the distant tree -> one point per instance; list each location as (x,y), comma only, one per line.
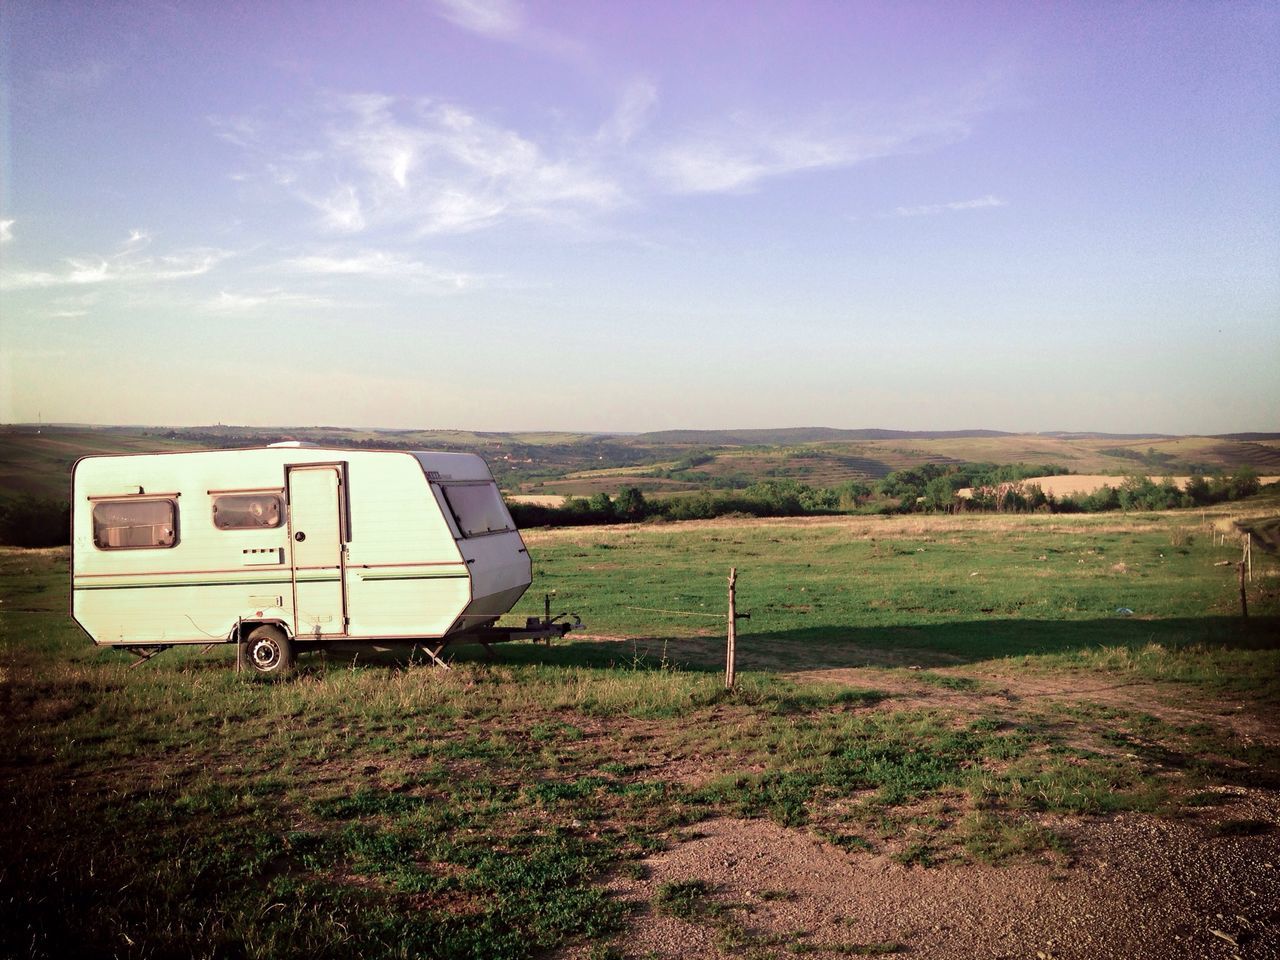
(28,521)
(903,484)
(1196,493)
(601,507)
(631,504)
(850,494)
(1166,496)
(939,493)
(1035,497)
(1104,498)
(1244,483)
(819,500)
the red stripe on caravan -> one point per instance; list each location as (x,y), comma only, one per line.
(256,568)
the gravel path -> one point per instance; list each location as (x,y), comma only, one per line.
(1137,887)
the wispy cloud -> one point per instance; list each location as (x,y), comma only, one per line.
(955,206)
(500,19)
(429,166)
(6,230)
(228,302)
(401,168)
(632,114)
(381,265)
(126,265)
(736,155)
(506,21)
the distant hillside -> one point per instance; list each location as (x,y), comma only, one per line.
(1106,436)
(793,435)
(38,460)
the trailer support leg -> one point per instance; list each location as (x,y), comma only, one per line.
(435,654)
(144,654)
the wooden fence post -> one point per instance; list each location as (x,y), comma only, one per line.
(1244,600)
(730,665)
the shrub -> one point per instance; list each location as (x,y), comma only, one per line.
(28,521)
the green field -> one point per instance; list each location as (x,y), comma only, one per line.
(935,691)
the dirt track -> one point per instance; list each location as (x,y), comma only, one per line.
(1129,886)
(1136,887)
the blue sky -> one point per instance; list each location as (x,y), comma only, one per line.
(499,215)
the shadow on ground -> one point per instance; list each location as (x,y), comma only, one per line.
(925,645)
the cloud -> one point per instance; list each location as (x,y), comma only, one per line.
(634,110)
(742,151)
(6,230)
(374,164)
(241,131)
(498,19)
(428,166)
(340,210)
(127,265)
(382,265)
(928,210)
(505,21)
(226,302)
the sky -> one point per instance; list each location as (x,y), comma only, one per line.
(631,216)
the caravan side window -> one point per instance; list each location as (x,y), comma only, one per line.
(125,524)
(478,508)
(252,511)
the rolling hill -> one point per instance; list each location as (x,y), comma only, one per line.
(37,460)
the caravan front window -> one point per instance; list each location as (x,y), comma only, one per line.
(478,508)
(122,524)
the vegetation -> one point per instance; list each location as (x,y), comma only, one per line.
(683,475)
(27,521)
(927,489)
(387,808)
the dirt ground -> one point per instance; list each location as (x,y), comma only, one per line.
(1129,886)
(1135,887)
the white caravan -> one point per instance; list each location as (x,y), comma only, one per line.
(281,547)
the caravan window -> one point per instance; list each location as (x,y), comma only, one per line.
(123,524)
(251,511)
(478,508)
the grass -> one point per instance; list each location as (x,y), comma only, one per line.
(685,899)
(387,810)
(953,588)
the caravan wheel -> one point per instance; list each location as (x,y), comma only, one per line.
(268,652)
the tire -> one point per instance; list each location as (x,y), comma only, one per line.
(268,652)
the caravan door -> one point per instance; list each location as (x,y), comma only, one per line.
(317,541)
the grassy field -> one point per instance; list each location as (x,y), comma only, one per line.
(936,691)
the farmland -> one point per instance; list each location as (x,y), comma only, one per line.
(669,462)
(952,736)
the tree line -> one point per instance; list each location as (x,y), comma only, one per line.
(31,521)
(930,488)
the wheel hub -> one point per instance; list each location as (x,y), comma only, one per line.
(265,654)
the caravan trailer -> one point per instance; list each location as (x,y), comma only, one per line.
(291,546)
